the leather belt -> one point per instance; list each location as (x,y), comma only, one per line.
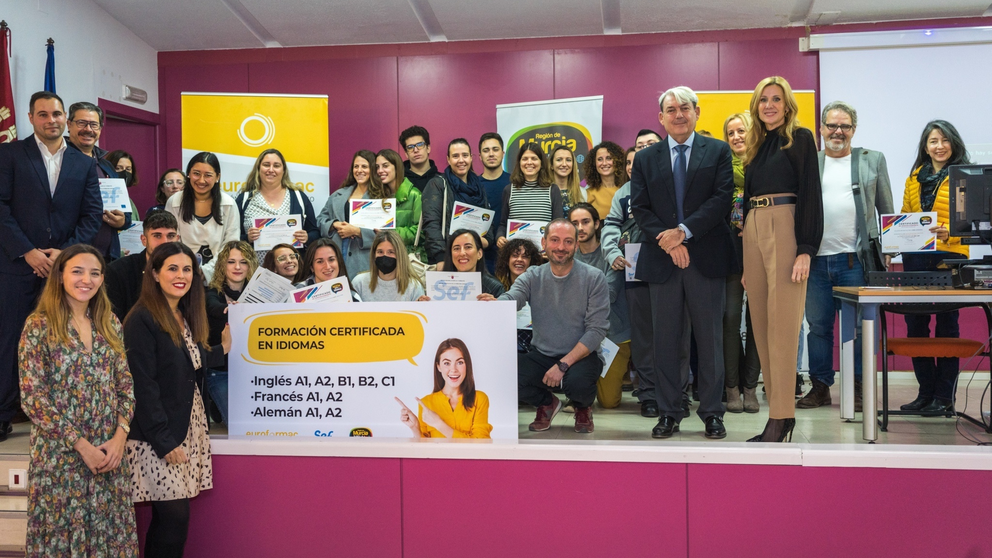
(768,201)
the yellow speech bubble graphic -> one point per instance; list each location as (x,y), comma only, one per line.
(341,337)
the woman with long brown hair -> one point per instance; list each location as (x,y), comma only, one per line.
(168,449)
(606,171)
(531,194)
(783,224)
(76,388)
(362,184)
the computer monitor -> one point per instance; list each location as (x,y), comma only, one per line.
(970,199)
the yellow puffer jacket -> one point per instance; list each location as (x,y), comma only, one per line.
(911,204)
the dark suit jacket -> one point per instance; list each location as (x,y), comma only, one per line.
(164,381)
(708,196)
(123,280)
(30,217)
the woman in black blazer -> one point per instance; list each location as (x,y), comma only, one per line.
(165,336)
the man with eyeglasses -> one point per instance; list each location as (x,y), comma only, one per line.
(49,200)
(124,276)
(418,168)
(85,125)
(855,184)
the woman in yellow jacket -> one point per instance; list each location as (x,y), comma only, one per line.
(927,190)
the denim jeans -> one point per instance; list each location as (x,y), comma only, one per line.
(217,386)
(827,272)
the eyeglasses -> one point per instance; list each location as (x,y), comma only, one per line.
(288,257)
(83,124)
(842,127)
(418,145)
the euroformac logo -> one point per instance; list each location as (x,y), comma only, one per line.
(550,136)
(268,130)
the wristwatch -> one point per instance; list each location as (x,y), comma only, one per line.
(562,366)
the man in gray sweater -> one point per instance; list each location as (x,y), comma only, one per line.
(570,310)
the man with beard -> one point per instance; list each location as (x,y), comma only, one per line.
(570,310)
(86,123)
(855,185)
(494,179)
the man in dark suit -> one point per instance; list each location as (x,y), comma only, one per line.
(49,200)
(681,192)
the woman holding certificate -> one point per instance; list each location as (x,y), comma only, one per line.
(324,262)
(465,256)
(531,194)
(269,192)
(455,409)
(362,184)
(927,190)
(388,278)
(514,258)
(236,265)
(407,197)
(284,261)
(207,217)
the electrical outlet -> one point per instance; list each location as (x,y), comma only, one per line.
(18,479)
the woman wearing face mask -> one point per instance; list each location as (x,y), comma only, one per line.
(236,264)
(362,184)
(455,409)
(605,174)
(566,174)
(284,261)
(531,195)
(389,168)
(269,192)
(208,218)
(125,168)
(324,262)
(76,388)
(171,182)
(465,255)
(388,278)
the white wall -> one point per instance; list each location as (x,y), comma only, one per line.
(94,54)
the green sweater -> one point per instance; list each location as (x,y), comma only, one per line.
(408,217)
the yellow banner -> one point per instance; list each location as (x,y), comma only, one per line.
(245,125)
(716,106)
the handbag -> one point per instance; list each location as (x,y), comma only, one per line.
(869,245)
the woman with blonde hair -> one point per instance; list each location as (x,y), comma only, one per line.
(566,174)
(269,192)
(388,278)
(76,388)
(783,224)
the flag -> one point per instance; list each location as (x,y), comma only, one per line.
(8,132)
(50,67)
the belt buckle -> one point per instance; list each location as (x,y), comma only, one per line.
(761,202)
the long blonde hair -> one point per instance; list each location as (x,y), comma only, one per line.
(53,305)
(573,187)
(220,270)
(254,181)
(756,134)
(744,117)
(402,261)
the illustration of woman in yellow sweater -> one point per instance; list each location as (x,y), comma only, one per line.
(455,409)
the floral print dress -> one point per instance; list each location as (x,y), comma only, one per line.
(70,393)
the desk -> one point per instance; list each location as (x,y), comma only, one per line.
(868,299)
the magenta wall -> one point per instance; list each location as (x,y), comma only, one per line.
(452,88)
(323,506)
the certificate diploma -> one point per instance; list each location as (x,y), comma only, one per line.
(266,286)
(373,214)
(528,230)
(457,286)
(131,239)
(114,193)
(631,251)
(909,232)
(335,290)
(465,216)
(278,230)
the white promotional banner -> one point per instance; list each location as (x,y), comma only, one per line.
(370,369)
(575,123)
(237,127)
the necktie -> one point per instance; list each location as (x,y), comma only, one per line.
(678,173)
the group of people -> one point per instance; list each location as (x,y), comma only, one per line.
(106,355)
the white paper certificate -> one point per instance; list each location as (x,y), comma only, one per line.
(465,216)
(114,192)
(131,239)
(459,286)
(631,251)
(523,318)
(373,214)
(277,230)
(266,286)
(608,351)
(909,232)
(335,290)
(528,230)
